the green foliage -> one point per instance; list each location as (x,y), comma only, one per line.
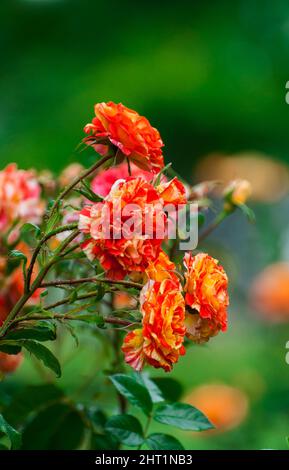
(59,426)
(30,400)
(54,219)
(154,391)
(10,347)
(171,389)
(133,391)
(43,354)
(248,212)
(103,442)
(182,416)
(87,192)
(18,256)
(163,442)
(29,229)
(13,435)
(126,429)
(38,331)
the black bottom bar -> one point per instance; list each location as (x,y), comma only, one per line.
(125,459)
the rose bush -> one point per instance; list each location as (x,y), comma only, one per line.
(108,254)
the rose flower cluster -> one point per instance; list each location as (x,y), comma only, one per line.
(174,305)
(120,220)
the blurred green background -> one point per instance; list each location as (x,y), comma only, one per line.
(211,76)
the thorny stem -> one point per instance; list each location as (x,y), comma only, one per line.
(77,180)
(63,228)
(36,284)
(67,300)
(71,282)
(69,316)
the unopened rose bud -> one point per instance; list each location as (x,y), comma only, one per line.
(238,192)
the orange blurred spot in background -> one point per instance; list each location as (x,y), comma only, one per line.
(270,293)
(122,300)
(10,362)
(225,406)
(269,178)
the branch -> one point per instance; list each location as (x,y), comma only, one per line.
(63,228)
(36,284)
(68,316)
(77,180)
(71,282)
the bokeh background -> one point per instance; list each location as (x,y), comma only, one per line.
(212,77)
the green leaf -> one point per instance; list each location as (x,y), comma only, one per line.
(136,393)
(39,331)
(30,228)
(29,400)
(182,416)
(154,391)
(163,170)
(13,435)
(94,318)
(10,347)
(135,314)
(163,442)
(96,417)
(248,212)
(53,221)
(43,354)
(44,293)
(88,194)
(100,292)
(126,429)
(19,256)
(57,427)
(72,332)
(103,442)
(171,389)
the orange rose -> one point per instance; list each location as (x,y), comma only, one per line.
(122,248)
(172,192)
(206,296)
(131,133)
(160,340)
(161,268)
